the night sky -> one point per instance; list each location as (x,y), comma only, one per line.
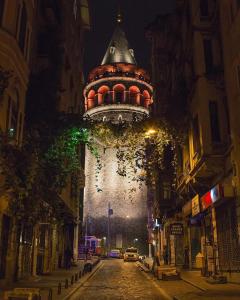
(137,14)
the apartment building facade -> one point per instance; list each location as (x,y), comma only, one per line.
(188,48)
(40,43)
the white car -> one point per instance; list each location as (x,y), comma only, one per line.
(131,254)
(115,253)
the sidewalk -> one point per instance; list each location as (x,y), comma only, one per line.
(58,284)
(206,290)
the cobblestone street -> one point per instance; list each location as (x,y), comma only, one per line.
(116,279)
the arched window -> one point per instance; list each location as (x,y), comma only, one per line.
(146,98)
(119,93)
(134,94)
(90,99)
(120,118)
(23,28)
(104,96)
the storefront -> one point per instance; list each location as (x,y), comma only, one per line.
(220,245)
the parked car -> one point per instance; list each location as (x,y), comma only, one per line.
(115,253)
(131,254)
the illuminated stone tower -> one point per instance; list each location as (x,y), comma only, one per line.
(117,90)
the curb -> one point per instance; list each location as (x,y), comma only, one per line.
(193,284)
(67,297)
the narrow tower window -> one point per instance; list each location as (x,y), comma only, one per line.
(112,50)
(132,52)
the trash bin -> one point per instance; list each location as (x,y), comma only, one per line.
(199,261)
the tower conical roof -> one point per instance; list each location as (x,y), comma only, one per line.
(118,49)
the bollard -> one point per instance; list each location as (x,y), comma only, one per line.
(76,277)
(66,283)
(59,288)
(72,280)
(50,294)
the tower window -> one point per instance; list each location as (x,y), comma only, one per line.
(106,98)
(112,50)
(118,96)
(132,52)
(214,121)
(120,118)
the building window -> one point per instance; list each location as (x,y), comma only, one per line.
(23,28)
(208,55)
(196,135)
(2,5)
(106,98)
(238,75)
(204,8)
(112,50)
(5,233)
(214,121)
(238,4)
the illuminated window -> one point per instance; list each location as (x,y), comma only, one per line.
(120,118)
(132,52)
(112,50)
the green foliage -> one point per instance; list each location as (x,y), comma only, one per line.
(40,168)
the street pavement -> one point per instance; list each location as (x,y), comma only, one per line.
(116,280)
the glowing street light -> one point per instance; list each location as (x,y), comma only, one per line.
(150,132)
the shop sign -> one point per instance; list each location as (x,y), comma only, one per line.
(211,196)
(195,205)
(176,229)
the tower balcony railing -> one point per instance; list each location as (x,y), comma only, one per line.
(136,99)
